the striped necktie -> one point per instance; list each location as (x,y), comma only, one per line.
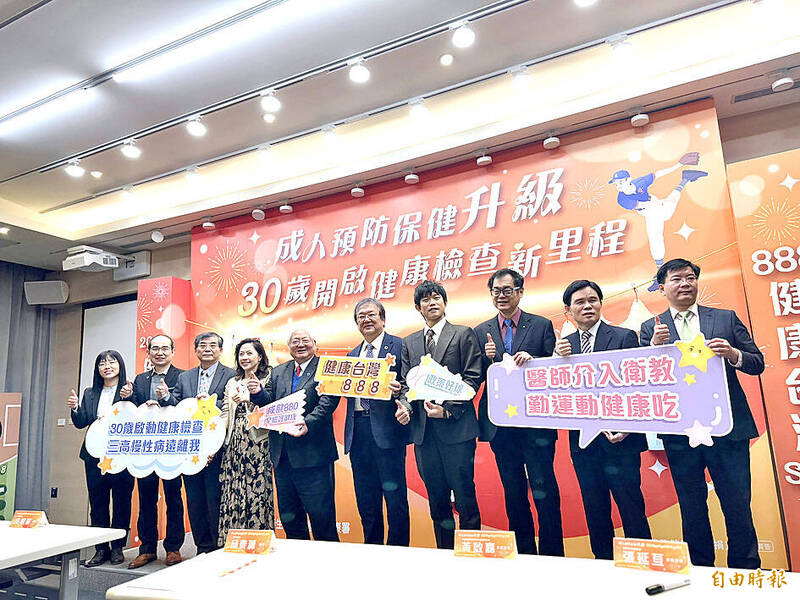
(586,342)
(370,354)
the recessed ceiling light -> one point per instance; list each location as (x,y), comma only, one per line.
(463,37)
(130,150)
(269,118)
(73,169)
(269,103)
(157,236)
(359,73)
(446,60)
(195,127)
(285,209)
(4,230)
(96,174)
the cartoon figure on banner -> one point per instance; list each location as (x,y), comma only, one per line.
(634,194)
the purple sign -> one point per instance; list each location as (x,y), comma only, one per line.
(678,388)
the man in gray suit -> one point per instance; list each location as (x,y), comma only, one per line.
(444,434)
(203,489)
(304,459)
(728,459)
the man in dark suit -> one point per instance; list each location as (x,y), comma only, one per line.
(375,440)
(303,459)
(153,388)
(611,464)
(444,434)
(202,489)
(728,459)
(524,456)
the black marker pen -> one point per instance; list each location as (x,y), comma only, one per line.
(652,590)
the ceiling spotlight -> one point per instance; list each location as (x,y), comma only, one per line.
(269,118)
(258,214)
(265,152)
(157,236)
(584,3)
(269,103)
(417,108)
(521,77)
(359,73)
(446,60)
(127,192)
(285,209)
(74,170)
(195,127)
(329,133)
(782,82)
(463,36)
(620,45)
(208,225)
(551,142)
(357,191)
(412,178)
(484,160)
(192,173)
(96,174)
(4,230)
(640,119)
(130,150)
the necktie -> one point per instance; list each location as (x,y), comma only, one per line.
(686,327)
(370,354)
(204,381)
(431,345)
(508,338)
(295,378)
(297,371)
(586,342)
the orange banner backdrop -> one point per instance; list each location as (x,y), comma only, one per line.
(553,216)
(766,203)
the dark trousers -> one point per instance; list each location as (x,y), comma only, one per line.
(516,451)
(147,524)
(306,493)
(202,503)
(102,488)
(728,463)
(602,474)
(445,468)
(379,474)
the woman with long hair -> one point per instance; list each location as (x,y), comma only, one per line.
(95,403)
(246,472)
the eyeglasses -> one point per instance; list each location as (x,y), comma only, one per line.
(211,346)
(299,342)
(506,291)
(687,279)
(160,348)
(367,317)
(108,362)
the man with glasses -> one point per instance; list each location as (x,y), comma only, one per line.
(375,440)
(303,459)
(728,459)
(524,456)
(153,389)
(203,489)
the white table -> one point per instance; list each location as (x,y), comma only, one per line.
(24,546)
(300,569)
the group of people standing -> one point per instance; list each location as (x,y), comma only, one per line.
(235,489)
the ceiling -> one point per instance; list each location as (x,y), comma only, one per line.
(299,46)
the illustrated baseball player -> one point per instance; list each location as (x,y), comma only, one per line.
(634,194)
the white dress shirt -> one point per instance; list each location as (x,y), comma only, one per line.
(437,331)
(106,401)
(694,327)
(377,344)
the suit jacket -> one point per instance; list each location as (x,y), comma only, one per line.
(720,323)
(186,387)
(141,386)
(608,338)
(86,414)
(459,351)
(318,446)
(535,336)
(388,433)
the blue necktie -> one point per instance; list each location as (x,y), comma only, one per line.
(508,338)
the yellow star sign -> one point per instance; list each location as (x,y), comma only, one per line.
(116,412)
(105,465)
(512,410)
(695,353)
(426,360)
(690,379)
(206,409)
(195,459)
(253,418)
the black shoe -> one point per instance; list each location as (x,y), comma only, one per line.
(99,558)
(116,556)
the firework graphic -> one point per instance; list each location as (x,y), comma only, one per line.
(588,193)
(777,221)
(706,297)
(227,268)
(144,313)
(160,290)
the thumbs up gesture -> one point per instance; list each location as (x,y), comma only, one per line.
(489,348)
(402,414)
(660,333)
(162,389)
(72,401)
(563,347)
(253,384)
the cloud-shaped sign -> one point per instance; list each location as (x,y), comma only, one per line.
(431,381)
(170,441)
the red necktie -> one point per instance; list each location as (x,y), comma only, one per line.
(298,370)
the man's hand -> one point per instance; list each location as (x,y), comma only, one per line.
(300,431)
(521,357)
(203,396)
(615,438)
(151,403)
(690,158)
(489,348)
(253,384)
(402,414)
(724,349)
(563,347)
(73,401)
(660,333)
(162,390)
(395,387)
(126,390)
(435,411)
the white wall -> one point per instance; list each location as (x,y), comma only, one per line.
(110,327)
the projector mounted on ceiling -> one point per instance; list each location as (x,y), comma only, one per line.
(87,258)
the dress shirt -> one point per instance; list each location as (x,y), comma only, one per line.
(377,343)
(302,366)
(437,331)
(209,373)
(694,327)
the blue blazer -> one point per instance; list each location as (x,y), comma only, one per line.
(388,433)
(720,323)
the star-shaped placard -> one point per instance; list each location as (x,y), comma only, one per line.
(253,418)
(390,360)
(206,409)
(699,434)
(105,465)
(695,353)
(195,459)
(508,363)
